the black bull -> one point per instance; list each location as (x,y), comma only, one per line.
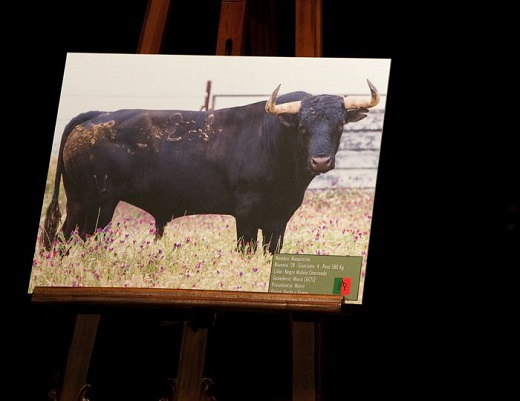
(252,162)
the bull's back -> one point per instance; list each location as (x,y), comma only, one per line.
(156,160)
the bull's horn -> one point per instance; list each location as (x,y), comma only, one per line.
(360,104)
(272,108)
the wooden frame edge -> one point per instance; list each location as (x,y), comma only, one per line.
(187,298)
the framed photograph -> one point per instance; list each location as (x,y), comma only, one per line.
(243,174)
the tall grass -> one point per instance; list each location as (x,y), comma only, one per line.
(199,251)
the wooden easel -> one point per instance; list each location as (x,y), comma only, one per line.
(190,385)
(232,27)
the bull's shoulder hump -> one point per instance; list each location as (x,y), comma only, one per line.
(292,96)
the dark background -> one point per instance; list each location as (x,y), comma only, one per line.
(445,228)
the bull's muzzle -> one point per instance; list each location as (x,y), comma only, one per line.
(321,164)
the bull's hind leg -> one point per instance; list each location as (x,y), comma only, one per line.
(86,218)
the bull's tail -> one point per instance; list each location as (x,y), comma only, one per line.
(53,214)
(50,226)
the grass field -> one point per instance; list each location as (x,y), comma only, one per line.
(198,251)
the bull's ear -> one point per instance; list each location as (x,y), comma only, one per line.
(290,120)
(356,115)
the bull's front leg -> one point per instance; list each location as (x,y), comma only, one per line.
(247,217)
(273,235)
(247,237)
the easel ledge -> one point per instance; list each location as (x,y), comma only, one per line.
(187,298)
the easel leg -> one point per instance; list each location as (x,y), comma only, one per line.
(78,359)
(189,384)
(231,32)
(308,40)
(305,370)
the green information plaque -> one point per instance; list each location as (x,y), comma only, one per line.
(316,274)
